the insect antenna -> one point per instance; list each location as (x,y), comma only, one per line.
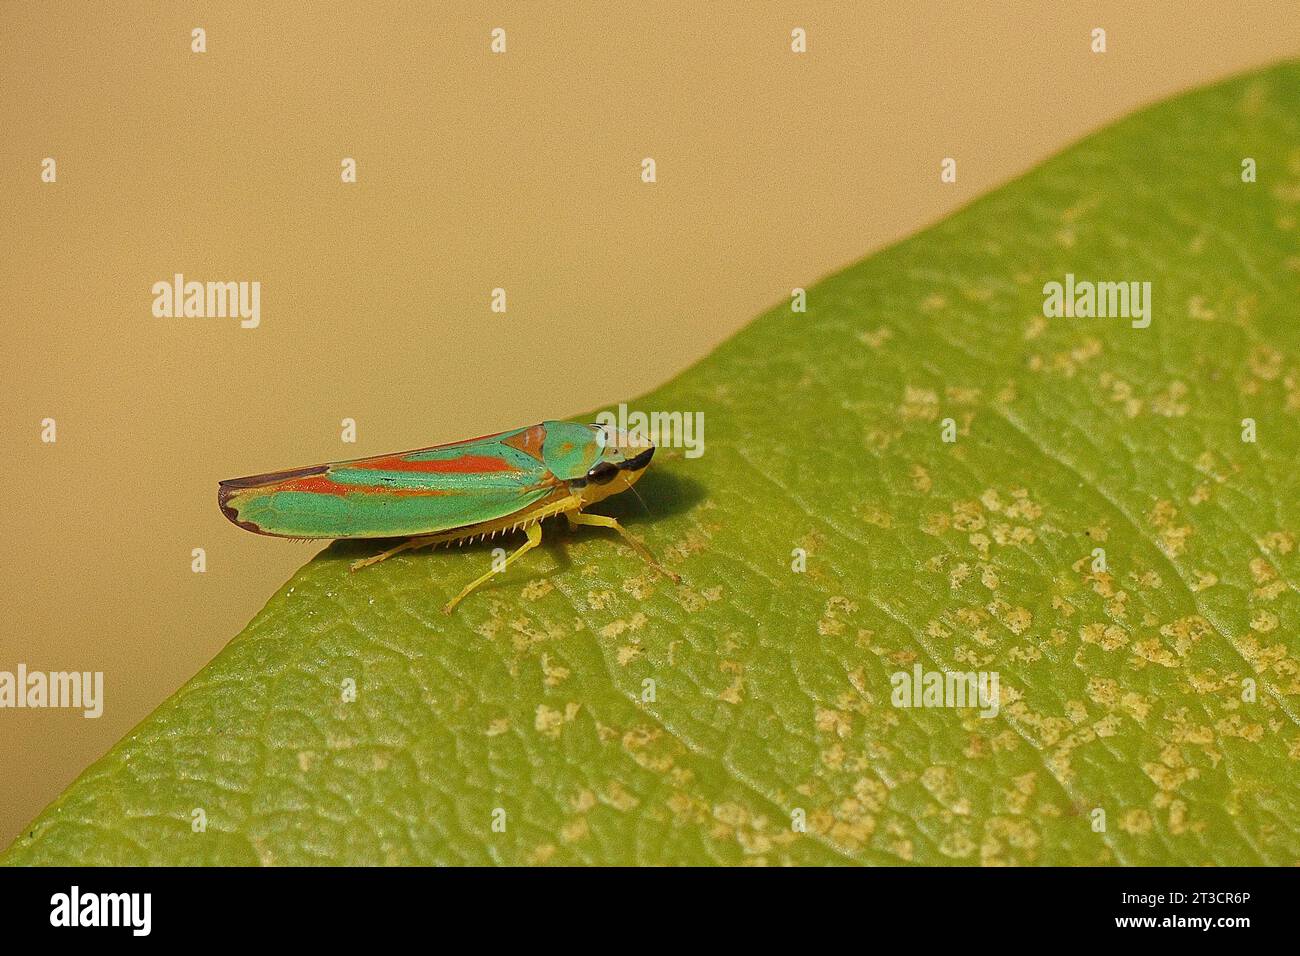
(644,506)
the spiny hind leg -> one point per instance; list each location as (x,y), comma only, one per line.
(534,532)
(410,544)
(603,521)
(487,529)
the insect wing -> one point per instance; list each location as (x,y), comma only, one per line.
(410,493)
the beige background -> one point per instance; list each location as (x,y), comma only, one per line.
(475,171)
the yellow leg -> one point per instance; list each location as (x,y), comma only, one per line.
(603,521)
(534,532)
(410,544)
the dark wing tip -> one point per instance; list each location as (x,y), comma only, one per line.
(231,486)
(225,491)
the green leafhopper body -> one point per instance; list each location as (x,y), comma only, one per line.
(449,493)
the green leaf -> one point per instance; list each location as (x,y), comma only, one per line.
(1123,691)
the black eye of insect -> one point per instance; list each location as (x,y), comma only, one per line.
(602,473)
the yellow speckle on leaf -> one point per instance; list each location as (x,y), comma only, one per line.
(1150,649)
(959,395)
(1278,542)
(1136,706)
(1197,309)
(876,516)
(919,404)
(1136,822)
(1271,591)
(1263,621)
(832,619)
(1235,726)
(537,588)
(732,693)
(575,830)
(877,338)
(967,516)
(834,722)
(1108,637)
(957,843)
(1185,632)
(1169,402)
(620,626)
(550,721)
(935,523)
(1016,619)
(1003,835)
(1103,690)
(1265,362)
(617,796)
(1261,571)
(920,479)
(554,674)
(1108,726)
(1172,536)
(641,743)
(1178,821)
(543,853)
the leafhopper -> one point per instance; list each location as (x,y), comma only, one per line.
(450,494)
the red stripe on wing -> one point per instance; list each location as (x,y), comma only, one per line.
(461,464)
(324,485)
